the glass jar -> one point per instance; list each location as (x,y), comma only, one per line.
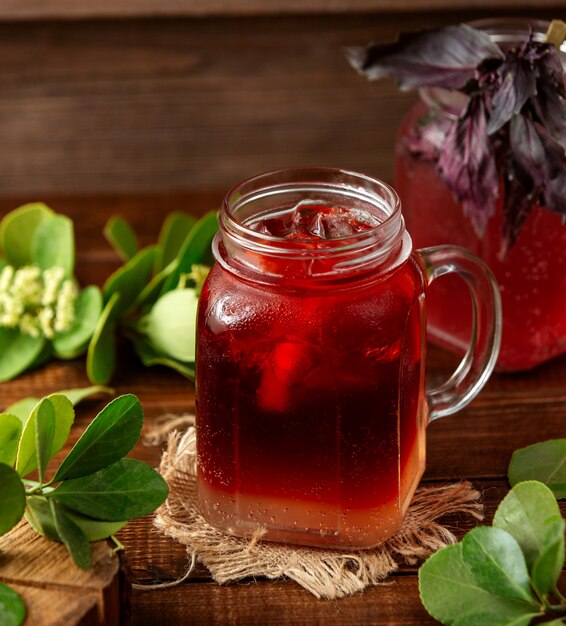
(531,276)
(311,403)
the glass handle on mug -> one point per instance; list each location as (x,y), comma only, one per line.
(479,361)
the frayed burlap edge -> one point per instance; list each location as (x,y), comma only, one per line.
(327,574)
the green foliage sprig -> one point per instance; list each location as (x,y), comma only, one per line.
(94,492)
(544,461)
(507,574)
(12,607)
(43,313)
(152,299)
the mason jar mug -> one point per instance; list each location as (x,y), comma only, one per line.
(311,397)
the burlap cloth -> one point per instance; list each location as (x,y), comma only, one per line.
(325,573)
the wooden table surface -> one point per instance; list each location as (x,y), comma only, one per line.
(511,412)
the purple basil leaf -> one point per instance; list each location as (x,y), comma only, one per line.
(547,60)
(517,83)
(555,157)
(518,202)
(527,149)
(442,57)
(555,194)
(555,174)
(537,166)
(426,138)
(467,164)
(550,108)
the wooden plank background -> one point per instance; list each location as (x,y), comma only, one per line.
(77,9)
(109,106)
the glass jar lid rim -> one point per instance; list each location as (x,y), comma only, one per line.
(317,177)
(508,29)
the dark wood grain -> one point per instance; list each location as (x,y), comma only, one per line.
(262,603)
(395,603)
(512,411)
(104,106)
(70,9)
(55,593)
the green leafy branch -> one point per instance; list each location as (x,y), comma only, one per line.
(507,574)
(12,607)
(152,299)
(94,492)
(43,313)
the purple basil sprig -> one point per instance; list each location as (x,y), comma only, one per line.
(467,157)
(514,84)
(513,128)
(442,57)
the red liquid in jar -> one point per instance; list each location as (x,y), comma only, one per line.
(311,400)
(532,276)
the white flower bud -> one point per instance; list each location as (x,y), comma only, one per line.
(6,278)
(45,318)
(65,308)
(29,325)
(198,273)
(37,302)
(26,285)
(52,278)
(12,311)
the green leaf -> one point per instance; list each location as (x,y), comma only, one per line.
(64,416)
(101,355)
(150,293)
(53,244)
(545,462)
(80,393)
(123,491)
(171,325)
(94,529)
(497,563)
(449,590)
(44,416)
(174,232)
(149,356)
(524,620)
(72,537)
(10,433)
(130,279)
(88,308)
(24,407)
(494,619)
(546,569)
(12,607)
(17,230)
(523,513)
(196,249)
(121,236)
(38,514)
(109,437)
(17,352)
(12,497)
(43,357)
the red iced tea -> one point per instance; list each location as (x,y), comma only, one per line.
(531,275)
(311,407)
(310,384)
